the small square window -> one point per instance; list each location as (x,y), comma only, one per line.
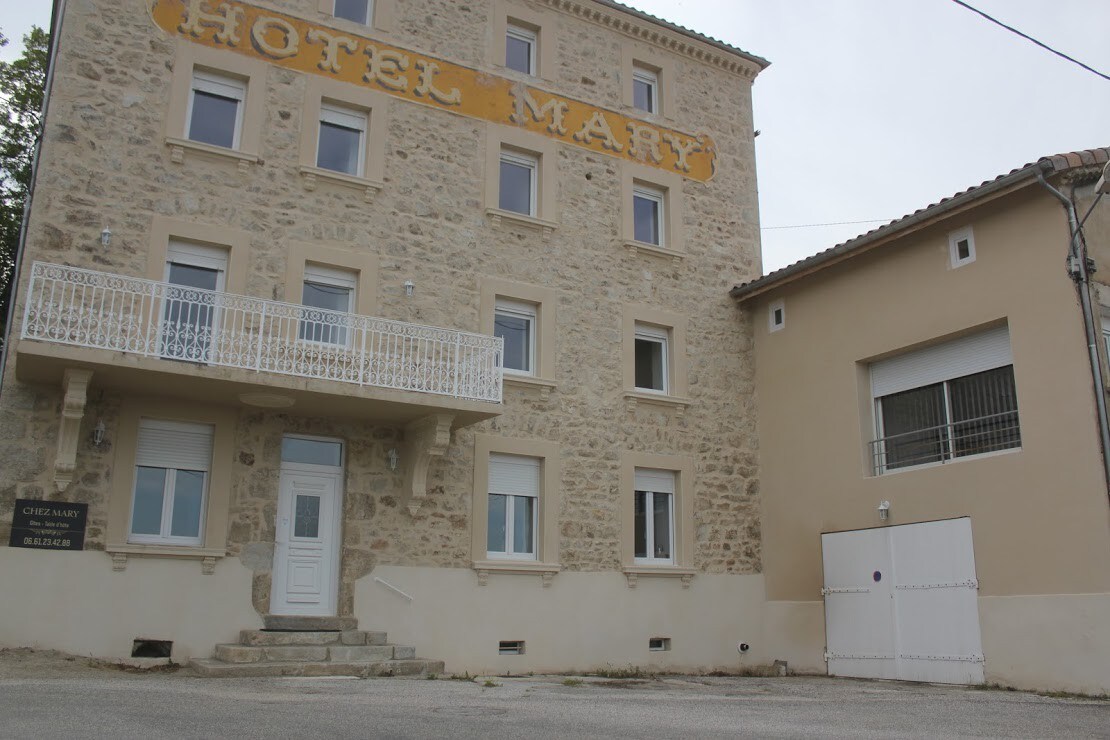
(359,11)
(651,359)
(215,113)
(331,292)
(776,316)
(520,49)
(518,183)
(341,146)
(515,323)
(961,247)
(647,215)
(659,644)
(510,647)
(645,89)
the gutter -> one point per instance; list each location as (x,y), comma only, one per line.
(1079,271)
(48,84)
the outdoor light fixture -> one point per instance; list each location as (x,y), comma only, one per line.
(393,458)
(105,237)
(884,510)
(410,288)
(98,434)
(1103,185)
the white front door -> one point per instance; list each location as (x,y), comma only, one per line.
(306,552)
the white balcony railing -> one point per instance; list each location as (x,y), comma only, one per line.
(86,308)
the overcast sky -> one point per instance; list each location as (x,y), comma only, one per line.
(872,109)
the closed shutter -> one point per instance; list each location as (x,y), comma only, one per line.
(174,444)
(965,356)
(656,481)
(197,255)
(514,475)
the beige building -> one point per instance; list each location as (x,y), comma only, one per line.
(403,312)
(932,431)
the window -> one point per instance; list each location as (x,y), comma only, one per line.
(645,89)
(654,517)
(341,145)
(333,292)
(647,214)
(216,109)
(961,247)
(518,183)
(520,49)
(945,402)
(651,358)
(776,315)
(359,11)
(189,314)
(172,463)
(514,491)
(1106,338)
(515,323)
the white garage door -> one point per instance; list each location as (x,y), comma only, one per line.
(901,602)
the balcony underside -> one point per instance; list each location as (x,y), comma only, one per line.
(137,375)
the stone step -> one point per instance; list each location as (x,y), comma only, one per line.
(229,653)
(282,637)
(210,668)
(295,623)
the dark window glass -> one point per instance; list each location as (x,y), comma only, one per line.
(338,148)
(306,519)
(643,95)
(645,212)
(187,325)
(516,330)
(213,119)
(516,188)
(649,365)
(353,10)
(518,54)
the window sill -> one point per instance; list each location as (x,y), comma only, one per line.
(634,572)
(528,381)
(655,250)
(517,567)
(206,556)
(634,398)
(500,218)
(311,175)
(178,147)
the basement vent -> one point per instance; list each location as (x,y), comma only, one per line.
(151,648)
(659,644)
(510,647)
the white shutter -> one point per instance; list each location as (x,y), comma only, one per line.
(965,356)
(214,84)
(344,117)
(330,276)
(196,255)
(174,444)
(514,475)
(656,481)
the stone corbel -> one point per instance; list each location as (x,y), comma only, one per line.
(119,562)
(425,439)
(208,566)
(75,386)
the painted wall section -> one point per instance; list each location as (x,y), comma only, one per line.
(292,43)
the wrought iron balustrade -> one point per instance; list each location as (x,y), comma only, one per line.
(87,308)
(945,442)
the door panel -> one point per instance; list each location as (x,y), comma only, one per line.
(306,551)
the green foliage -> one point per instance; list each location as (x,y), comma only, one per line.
(21,91)
(611,671)
(572,682)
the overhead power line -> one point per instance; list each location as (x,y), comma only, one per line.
(833,223)
(1030,38)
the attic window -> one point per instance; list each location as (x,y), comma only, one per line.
(961,247)
(776,315)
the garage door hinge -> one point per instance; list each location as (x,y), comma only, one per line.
(862,590)
(946,658)
(971,583)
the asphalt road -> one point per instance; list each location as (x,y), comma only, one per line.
(111,704)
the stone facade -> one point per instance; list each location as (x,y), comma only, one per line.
(105,163)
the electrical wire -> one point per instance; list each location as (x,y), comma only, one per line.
(1027,37)
(833,223)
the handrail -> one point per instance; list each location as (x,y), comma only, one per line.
(943,442)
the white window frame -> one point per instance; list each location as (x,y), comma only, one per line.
(520,159)
(510,510)
(368,20)
(520,310)
(224,86)
(954,240)
(336,278)
(527,35)
(164,538)
(1106,339)
(777,308)
(658,335)
(348,118)
(642,487)
(650,78)
(659,197)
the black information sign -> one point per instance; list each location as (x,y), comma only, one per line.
(48,525)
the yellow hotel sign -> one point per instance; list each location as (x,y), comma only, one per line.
(294,43)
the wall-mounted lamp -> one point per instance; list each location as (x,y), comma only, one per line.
(410,288)
(98,434)
(393,458)
(105,237)
(884,510)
